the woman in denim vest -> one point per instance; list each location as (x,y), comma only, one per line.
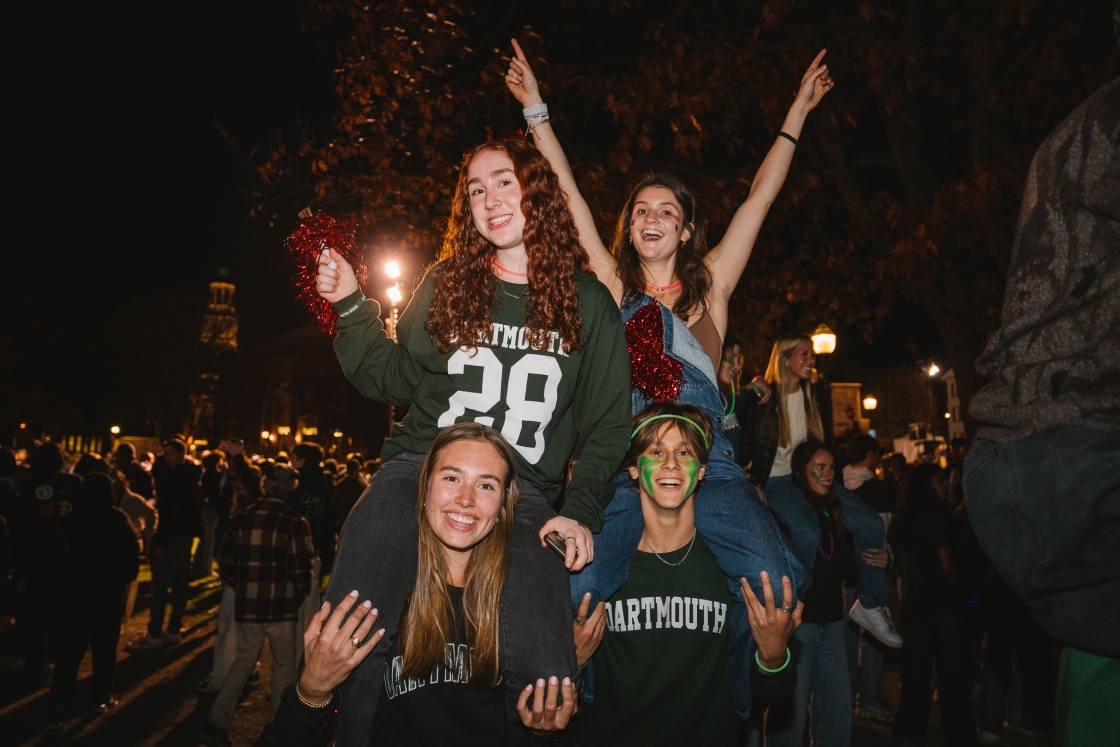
(674,294)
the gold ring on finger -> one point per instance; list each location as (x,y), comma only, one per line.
(356,642)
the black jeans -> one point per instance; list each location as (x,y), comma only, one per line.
(943,638)
(1046,510)
(170,570)
(95,620)
(1015,632)
(35,613)
(377,555)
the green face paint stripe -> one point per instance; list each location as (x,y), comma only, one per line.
(692,469)
(646,467)
(815,474)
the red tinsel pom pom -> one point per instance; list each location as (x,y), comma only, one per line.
(657,376)
(306,244)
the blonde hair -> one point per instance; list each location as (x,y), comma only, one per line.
(779,377)
(429,619)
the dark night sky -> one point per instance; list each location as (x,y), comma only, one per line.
(124,197)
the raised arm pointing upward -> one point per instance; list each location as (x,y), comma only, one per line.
(658,224)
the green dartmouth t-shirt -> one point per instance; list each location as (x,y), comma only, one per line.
(661,673)
(550,404)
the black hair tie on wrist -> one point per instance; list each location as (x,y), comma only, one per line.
(788,137)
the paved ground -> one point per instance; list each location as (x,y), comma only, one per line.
(159,705)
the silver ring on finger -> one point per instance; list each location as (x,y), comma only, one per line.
(580,621)
(788,609)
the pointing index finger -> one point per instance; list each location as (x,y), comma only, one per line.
(518,52)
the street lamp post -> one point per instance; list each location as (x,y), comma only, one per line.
(393,270)
(824,345)
(932,370)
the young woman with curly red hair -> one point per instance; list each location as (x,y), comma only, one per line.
(673,293)
(510,330)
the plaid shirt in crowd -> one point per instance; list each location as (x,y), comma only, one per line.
(267,554)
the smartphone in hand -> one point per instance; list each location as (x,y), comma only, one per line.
(555,540)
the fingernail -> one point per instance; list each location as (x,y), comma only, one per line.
(785,578)
(324,605)
(529,687)
(381,632)
(552,680)
(373,611)
(367,604)
(587,595)
(764,574)
(567,682)
(354,593)
(540,683)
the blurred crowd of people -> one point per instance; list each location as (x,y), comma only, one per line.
(74,529)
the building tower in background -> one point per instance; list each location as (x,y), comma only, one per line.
(217,340)
(219,324)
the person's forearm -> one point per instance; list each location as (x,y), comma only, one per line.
(375,364)
(775,167)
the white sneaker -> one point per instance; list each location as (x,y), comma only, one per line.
(146,643)
(877,622)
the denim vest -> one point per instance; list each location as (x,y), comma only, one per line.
(698,386)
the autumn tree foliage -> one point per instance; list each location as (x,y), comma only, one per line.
(907,180)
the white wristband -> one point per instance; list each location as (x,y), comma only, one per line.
(536,110)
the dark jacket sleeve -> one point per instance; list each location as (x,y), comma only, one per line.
(757,445)
(379,367)
(127,546)
(300,726)
(301,554)
(602,411)
(767,687)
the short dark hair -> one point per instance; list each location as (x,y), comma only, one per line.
(125,449)
(861,444)
(730,341)
(46,458)
(310,453)
(90,463)
(176,444)
(646,436)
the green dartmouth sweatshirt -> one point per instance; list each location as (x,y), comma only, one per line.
(548,404)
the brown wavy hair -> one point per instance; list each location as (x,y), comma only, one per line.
(830,514)
(695,279)
(428,622)
(468,293)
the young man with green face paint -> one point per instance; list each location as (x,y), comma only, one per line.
(662,673)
